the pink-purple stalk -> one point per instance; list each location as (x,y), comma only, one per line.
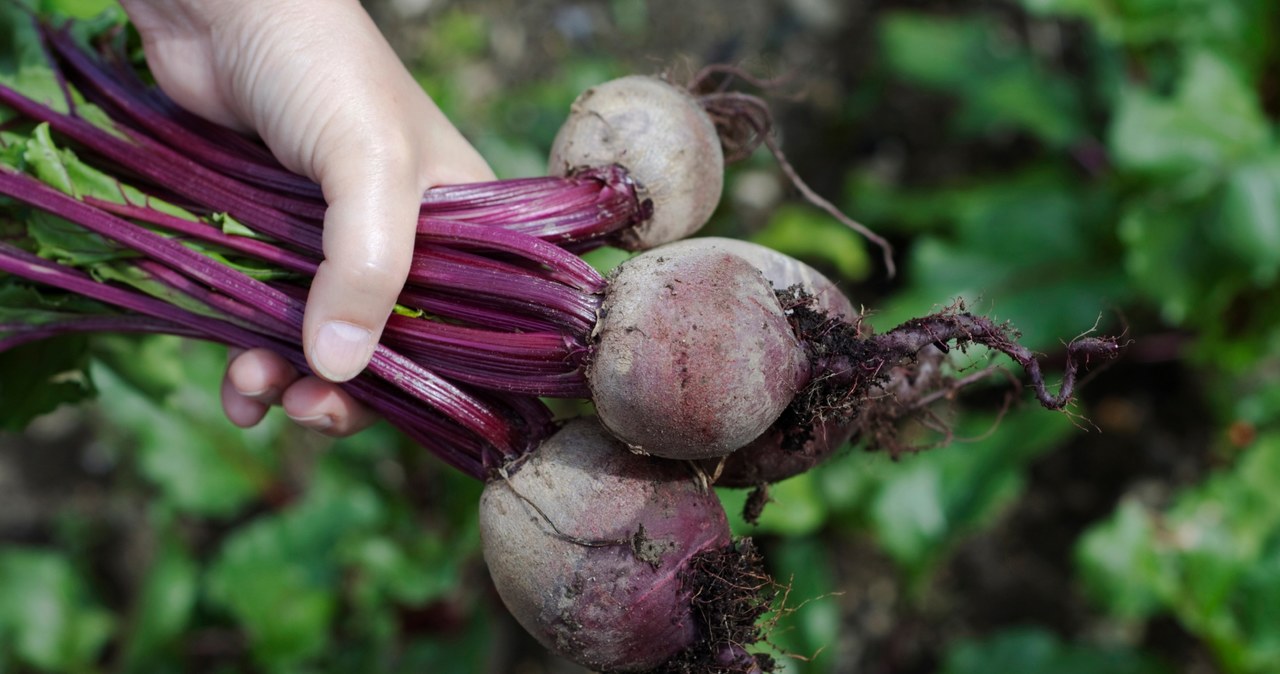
(505,303)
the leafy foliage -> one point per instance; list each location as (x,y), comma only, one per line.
(1033,650)
(1210,559)
(47,618)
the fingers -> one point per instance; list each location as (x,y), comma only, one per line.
(258,379)
(373,201)
(260,375)
(243,411)
(330,98)
(368,243)
(322,406)
(255,380)
(374,141)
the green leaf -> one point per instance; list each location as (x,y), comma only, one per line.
(1208,560)
(1118,564)
(67,243)
(910,516)
(466,653)
(1259,593)
(1238,29)
(933,51)
(927,501)
(152,366)
(37,305)
(78,9)
(996,79)
(605,258)
(1172,259)
(1030,248)
(23,64)
(796,508)
(231,226)
(810,623)
(47,619)
(165,604)
(198,461)
(71,244)
(280,576)
(39,377)
(1036,650)
(1214,119)
(1250,219)
(807,233)
(61,169)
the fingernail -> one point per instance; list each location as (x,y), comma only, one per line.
(341,350)
(258,394)
(319,422)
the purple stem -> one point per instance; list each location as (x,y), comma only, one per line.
(584,208)
(528,295)
(538,363)
(553,299)
(116,95)
(544,364)
(176,174)
(560,265)
(193,182)
(464,307)
(16,334)
(258,249)
(439,434)
(409,376)
(589,206)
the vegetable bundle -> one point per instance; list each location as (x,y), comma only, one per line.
(143,218)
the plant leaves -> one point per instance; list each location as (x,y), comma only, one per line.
(1249,226)
(927,501)
(24,66)
(997,81)
(47,619)
(1213,120)
(809,234)
(279,576)
(1024,249)
(165,604)
(1039,651)
(198,461)
(1113,553)
(41,376)
(1207,560)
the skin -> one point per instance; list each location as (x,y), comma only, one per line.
(664,138)
(320,85)
(605,604)
(694,356)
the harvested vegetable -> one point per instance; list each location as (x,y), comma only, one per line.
(622,562)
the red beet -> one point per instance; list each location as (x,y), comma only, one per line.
(693,354)
(602,555)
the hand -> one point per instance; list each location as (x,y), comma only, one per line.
(326,93)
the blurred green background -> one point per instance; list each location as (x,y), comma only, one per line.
(1059,163)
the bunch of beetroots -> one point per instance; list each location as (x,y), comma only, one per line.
(706,359)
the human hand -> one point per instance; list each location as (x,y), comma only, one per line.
(326,93)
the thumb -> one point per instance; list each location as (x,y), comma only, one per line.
(335,103)
(374,197)
(368,245)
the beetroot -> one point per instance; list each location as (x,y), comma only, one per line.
(693,355)
(665,140)
(791,445)
(619,561)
